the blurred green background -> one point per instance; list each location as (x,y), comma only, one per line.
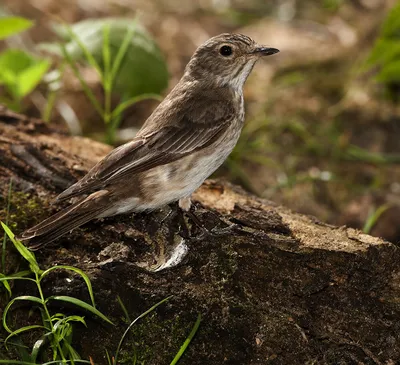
(322,131)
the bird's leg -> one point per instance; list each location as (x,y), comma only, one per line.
(185,204)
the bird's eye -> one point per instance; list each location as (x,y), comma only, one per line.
(225,51)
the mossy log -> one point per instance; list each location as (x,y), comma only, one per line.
(283,289)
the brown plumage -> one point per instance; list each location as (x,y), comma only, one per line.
(185,140)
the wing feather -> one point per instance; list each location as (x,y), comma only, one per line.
(195,130)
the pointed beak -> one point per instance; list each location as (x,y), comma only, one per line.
(265,51)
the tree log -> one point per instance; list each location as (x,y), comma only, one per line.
(283,289)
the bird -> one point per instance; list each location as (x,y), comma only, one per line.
(187,137)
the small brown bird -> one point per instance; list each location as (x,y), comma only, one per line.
(184,141)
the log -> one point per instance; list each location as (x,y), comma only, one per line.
(283,289)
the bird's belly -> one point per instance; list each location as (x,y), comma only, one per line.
(179,179)
(168,183)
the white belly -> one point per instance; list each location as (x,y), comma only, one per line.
(181,178)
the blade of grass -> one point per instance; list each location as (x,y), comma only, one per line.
(88,92)
(122,49)
(109,362)
(81,304)
(122,106)
(132,323)
(5,278)
(25,253)
(17,362)
(21,330)
(89,57)
(3,254)
(6,284)
(374,216)
(76,270)
(11,302)
(187,341)
(123,308)
(38,345)
(107,81)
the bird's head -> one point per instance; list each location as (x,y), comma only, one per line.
(226,60)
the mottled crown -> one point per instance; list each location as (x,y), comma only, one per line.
(224,59)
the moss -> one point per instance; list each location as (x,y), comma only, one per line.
(155,340)
(25,210)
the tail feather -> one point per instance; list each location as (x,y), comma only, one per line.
(65,221)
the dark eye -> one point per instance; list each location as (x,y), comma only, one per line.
(225,51)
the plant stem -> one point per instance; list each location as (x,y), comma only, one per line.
(51,328)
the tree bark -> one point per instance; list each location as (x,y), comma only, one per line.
(284,288)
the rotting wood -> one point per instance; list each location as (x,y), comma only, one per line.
(286,289)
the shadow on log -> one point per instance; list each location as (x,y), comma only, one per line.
(286,289)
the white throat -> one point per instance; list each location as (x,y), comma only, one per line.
(237,82)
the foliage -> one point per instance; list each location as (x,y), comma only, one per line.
(187,341)
(20,72)
(386,51)
(13,25)
(374,216)
(57,328)
(126,58)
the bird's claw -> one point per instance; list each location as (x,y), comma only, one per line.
(215,232)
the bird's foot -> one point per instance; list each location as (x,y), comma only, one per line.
(214,232)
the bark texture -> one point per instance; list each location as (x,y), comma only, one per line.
(283,289)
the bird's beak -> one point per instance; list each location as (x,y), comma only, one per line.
(264,51)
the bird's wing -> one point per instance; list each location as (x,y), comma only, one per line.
(156,148)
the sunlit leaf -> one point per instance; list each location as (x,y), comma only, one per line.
(31,76)
(13,25)
(5,283)
(25,253)
(21,330)
(21,72)
(187,341)
(81,304)
(76,270)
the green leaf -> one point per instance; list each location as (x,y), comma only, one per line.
(15,60)
(142,69)
(374,216)
(21,330)
(76,270)
(390,73)
(82,304)
(72,352)
(25,253)
(122,49)
(126,104)
(55,362)
(16,362)
(68,319)
(4,280)
(31,76)
(13,25)
(121,341)
(39,345)
(88,91)
(391,26)
(187,341)
(20,71)
(11,302)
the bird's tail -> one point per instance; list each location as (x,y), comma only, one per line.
(66,220)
